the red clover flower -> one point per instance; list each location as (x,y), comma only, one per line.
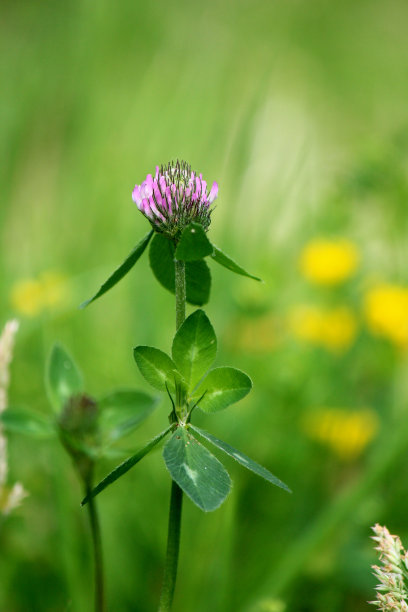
(175,197)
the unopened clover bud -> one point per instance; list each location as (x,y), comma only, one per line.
(78,428)
(79,416)
(175,197)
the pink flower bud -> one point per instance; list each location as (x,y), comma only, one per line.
(175,197)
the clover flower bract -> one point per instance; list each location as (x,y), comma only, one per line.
(175,197)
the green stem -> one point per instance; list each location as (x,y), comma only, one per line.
(180,270)
(176,500)
(173,545)
(97,552)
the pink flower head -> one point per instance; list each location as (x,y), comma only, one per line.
(175,197)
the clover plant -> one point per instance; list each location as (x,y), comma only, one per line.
(178,206)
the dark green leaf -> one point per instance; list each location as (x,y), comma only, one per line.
(24,421)
(123,269)
(161,258)
(193,243)
(63,377)
(201,476)
(194,347)
(222,387)
(229,263)
(198,277)
(155,366)
(198,282)
(122,411)
(241,458)
(124,467)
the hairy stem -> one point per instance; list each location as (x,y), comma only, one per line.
(176,500)
(180,270)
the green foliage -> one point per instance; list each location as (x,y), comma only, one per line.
(85,426)
(198,277)
(63,378)
(198,282)
(76,137)
(194,347)
(225,261)
(194,350)
(156,367)
(201,476)
(191,465)
(122,270)
(161,258)
(247,462)
(125,466)
(122,411)
(193,243)
(21,420)
(222,387)
(192,247)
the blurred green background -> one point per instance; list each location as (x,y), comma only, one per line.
(299,111)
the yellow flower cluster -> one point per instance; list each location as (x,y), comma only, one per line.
(345,432)
(329,262)
(30,297)
(386,312)
(334,328)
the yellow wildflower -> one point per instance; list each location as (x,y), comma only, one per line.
(345,432)
(386,312)
(329,262)
(32,296)
(334,328)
